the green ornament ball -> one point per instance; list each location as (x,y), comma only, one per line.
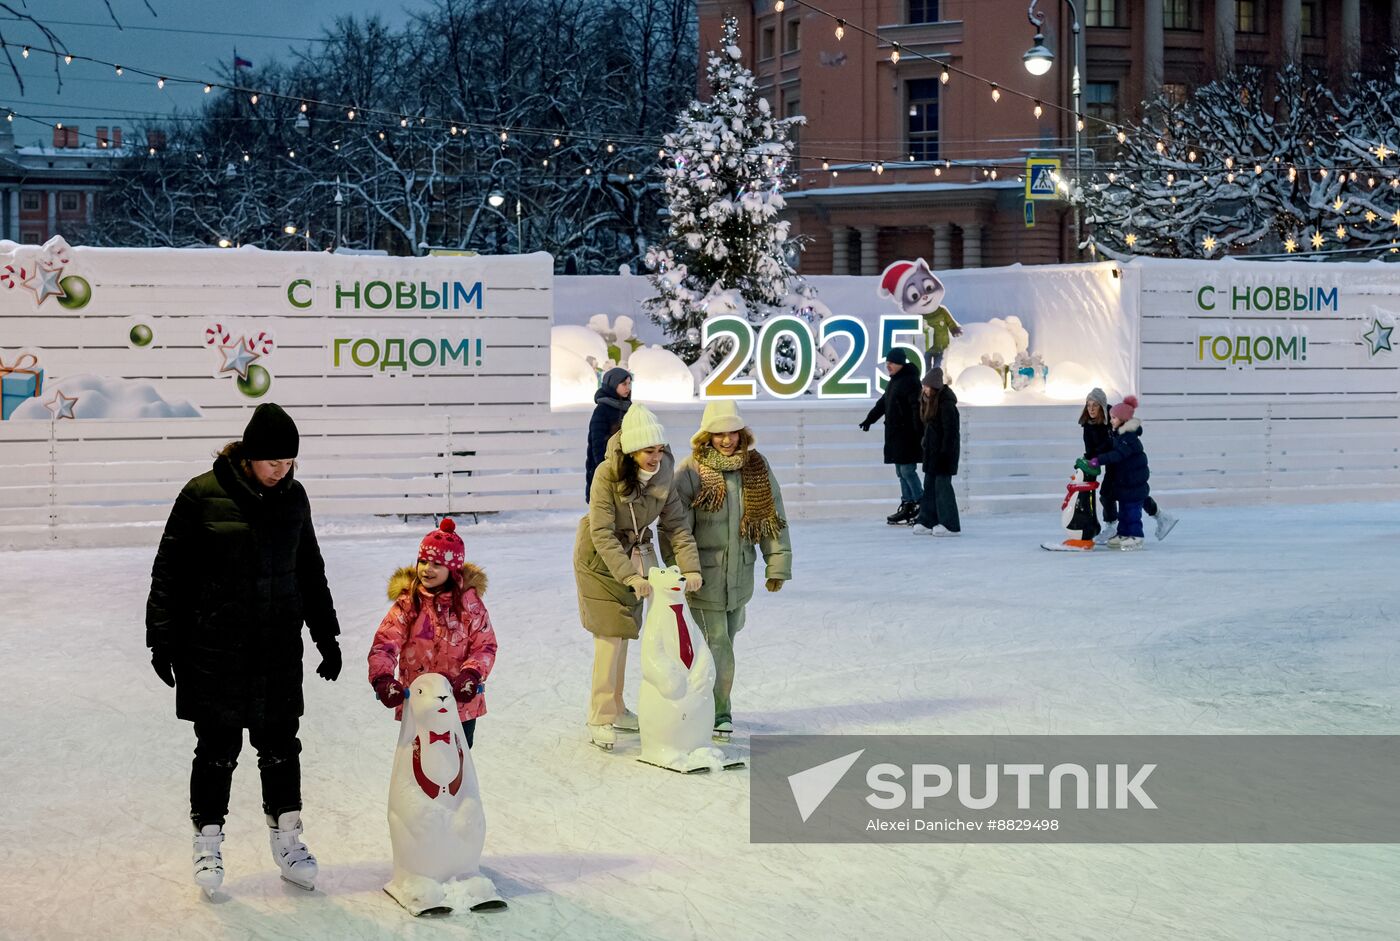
(258,382)
(76,292)
(141,335)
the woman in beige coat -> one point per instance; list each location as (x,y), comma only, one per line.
(632,490)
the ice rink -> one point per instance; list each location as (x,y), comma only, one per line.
(1267,620)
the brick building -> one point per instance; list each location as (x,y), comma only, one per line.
(48,191)
(951,158)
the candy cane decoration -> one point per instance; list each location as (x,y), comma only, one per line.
(261,344)
(216,336)
(13,276)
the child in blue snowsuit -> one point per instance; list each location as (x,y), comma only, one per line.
(1130,472)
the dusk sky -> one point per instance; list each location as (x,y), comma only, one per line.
(186,38)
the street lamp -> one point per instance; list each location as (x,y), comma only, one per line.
(497,199)
(289,229)
(1038,60)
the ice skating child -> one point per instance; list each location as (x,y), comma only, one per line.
(1097,439)
(1130,472)
(437,624)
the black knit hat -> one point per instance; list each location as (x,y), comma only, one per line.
(897,356)
(271,435)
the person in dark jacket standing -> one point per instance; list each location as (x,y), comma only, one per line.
(612,400)
(1130,472)
(1098,438)
(938,410)
(237,573)
(903,432)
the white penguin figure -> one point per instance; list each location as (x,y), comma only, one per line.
(676,707)
(436,823)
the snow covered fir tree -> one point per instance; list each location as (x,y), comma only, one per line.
(1255,163)
(723,171)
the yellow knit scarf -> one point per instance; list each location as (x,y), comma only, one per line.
(760,519)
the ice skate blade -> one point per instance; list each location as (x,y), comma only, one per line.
(300,885)
(721,737)
(701,769)
(491,905)
(602,746)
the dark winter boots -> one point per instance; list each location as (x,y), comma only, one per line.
(904,516)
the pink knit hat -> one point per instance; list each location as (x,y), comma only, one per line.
(1124,410)
(444,547)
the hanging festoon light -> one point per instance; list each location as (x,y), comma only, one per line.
(1122,136)
(253,98)
(160,83)
(1161,147)
(1258,169)
(1079,122)
(208,88)
(119,70)
(840,29)
(25,52)
(303,107)
(611,148)
(68,60)
(826,165)
(1037,110)
(1190,156)
(1229,163)
(505,136)
(894,54)
(996,92)
(945,77)
(403,122)
(350,115)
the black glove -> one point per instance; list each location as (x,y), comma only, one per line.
(330,660)
(164,665)
(865,426)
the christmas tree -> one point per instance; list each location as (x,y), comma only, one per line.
(723,171)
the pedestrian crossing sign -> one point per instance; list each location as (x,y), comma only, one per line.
(1040,177)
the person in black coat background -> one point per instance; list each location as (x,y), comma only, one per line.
(613,399)
(1098,438)
(903,432)
(237,573)
(942,443)
(1130,471)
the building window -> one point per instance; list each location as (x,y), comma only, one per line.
(923,118)
(1248,16)
(1312,18)
(68,202)
(923,11)
(1101,13)
(1181,14)
(792,35)
(30,202)
(767,42)
(32,238)
(1101,106)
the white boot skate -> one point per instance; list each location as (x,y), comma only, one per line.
(289,852)
(724,730)
(602,736)
(208,860)
(1165,524)
(627,722)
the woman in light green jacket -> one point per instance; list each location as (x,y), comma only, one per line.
(733,503)
(633,489)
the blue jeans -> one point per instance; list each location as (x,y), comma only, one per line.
(1130,518)
(910,490)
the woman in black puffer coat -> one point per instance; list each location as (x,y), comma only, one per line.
(611,402)
(237,573)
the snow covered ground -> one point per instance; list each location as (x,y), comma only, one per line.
(1246,620)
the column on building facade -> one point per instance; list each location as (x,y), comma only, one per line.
(1394,23)
(1153,40)
(942,246)
(52,198)
(1225,26)
(1351,35)
(869,257)
(972,244)
(840,250)
(12,219)
(1292,22)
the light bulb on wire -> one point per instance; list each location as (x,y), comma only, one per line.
(1037,110)
(894,54)
(160,83)
(840,30)
(945,77)
(996,92)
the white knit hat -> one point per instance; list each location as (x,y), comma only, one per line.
(721,415)
(640,429)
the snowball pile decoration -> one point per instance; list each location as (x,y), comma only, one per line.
(1002,338)
(1068,382)
(580,341)
(660,376)
(979,385)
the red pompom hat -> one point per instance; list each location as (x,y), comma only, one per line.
(444,547)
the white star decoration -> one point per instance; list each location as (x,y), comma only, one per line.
(62,405)
(1378,336)
(237,358)
(47,283)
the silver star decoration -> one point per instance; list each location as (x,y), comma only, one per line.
(47,286)
(1378,336)
(237,358)
(62,406)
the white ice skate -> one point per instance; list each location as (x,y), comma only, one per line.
(1130,543)
(1165,524)
(1115,542)
(723,731)
(941,530)
(289,852)
(921,530)
(627,722)
(602,736)
(208,859)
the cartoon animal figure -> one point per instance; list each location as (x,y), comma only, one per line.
(436,823)
(917,290)
(1078,513)
(676,707)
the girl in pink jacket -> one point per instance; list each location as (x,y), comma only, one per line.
(437,624)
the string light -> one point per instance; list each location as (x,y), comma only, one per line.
(403,122)
(119,70)
(894,54)
(68,60)
(504,137)
(208,88)
(25,52)
(587,171)
(292,154)
(303,107)
(160,83)
(247,158)
(1161,147)
(454,130)
(1342,232)
(1079,122)
(840,30)
(253,99)
(996,92)
(611,148)
(1317,239)
(1258,169)
(1290,245)
(826,165)
(350,115)
(1122,136)
(1037,110)
(1229,163)
(557,142)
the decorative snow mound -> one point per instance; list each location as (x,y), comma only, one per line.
(580,341)
(998,338)
(114,399)
(979,385)
(660,376)
(1068,382)
(572,380)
